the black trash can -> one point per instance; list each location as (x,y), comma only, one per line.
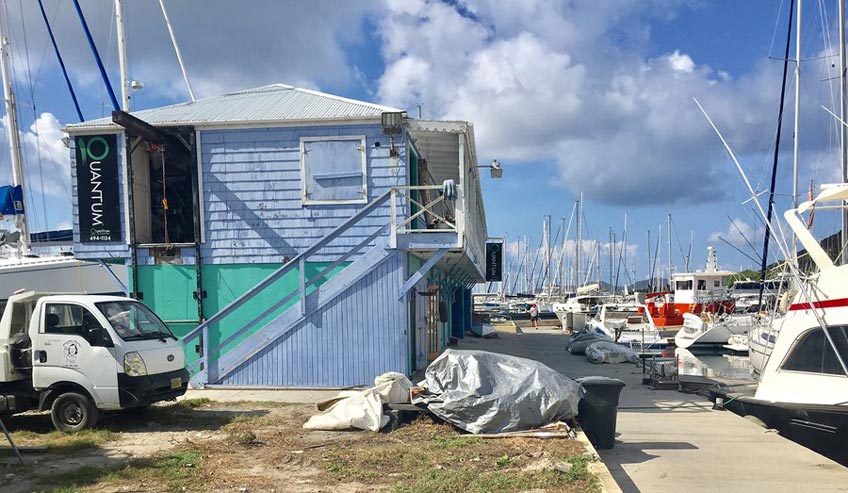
(598,409)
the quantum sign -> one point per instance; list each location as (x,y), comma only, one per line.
(494,262)
(97,188)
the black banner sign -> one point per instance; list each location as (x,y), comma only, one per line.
(494,262)
(97,188)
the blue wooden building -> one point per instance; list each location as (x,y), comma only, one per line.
(292,238)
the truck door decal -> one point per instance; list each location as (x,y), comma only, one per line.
(70,354)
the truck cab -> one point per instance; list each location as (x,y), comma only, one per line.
(78,354)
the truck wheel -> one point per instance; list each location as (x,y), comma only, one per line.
(73,412)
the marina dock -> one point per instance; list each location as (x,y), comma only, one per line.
(671,441)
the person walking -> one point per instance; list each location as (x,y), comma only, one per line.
(534,316)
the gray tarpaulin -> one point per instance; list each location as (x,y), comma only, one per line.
(484,392)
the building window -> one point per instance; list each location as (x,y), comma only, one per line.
(814,353)
(333,170)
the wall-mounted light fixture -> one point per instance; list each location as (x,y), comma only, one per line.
(495,169)
(392,123)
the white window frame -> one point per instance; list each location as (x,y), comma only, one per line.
(362,150)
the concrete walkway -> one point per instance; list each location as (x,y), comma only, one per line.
(667,441)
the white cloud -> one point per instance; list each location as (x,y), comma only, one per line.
(681,62)
(45,158)
(570,83)
(738,234)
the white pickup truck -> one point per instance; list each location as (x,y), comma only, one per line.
(77,354)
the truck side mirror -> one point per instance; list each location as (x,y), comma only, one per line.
(99,337)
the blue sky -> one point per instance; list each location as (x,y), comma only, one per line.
(583,95)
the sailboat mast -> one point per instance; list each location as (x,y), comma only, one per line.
(12,127)
(180,55)
(611,250)
(843,130)
(797,117)
(669,247)
(546,277)
(122,54)
(650,276)
(577,243)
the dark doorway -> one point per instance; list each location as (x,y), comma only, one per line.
(164,185)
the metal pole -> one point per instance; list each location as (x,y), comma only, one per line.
(180,56)
(669,248)
(577,245)
(122,54)
(650,276)
(61,61)
(611,243)
(797,118)
(843,113)
(12,127)
(9,435)
(559,263)
(93,47)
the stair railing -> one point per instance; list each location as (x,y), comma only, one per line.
(305,286)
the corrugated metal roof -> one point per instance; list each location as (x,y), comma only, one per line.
(274,103)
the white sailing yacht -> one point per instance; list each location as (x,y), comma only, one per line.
(19,268)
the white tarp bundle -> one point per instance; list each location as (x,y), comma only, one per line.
(361,409)
(482,392)
(610,352)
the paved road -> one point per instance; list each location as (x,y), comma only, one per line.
(669,441)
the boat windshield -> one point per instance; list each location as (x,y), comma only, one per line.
(630,315)
(133,321)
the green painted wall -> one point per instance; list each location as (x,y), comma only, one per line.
(168,290)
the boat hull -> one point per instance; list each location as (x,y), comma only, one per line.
(66,275)
(717,335)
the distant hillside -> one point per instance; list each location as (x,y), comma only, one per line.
(830,244)
(644,285)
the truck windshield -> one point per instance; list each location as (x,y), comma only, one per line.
(133,321)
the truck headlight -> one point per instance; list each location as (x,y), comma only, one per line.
(134,365)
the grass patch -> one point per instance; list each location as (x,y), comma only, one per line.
(450,480)
(192,403)
(58,442)
(456,441)
(170,470)
(433,458)
(241,429)
(189,413)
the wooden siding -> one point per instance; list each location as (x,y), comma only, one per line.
(362,333)
(252,192)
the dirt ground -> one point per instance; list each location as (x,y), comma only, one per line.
(197,445)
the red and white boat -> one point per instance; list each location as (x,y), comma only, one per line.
(694,292)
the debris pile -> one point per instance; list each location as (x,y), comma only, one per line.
(361,409)
(476,391)
(610,352)
(600,348)
(482,392)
